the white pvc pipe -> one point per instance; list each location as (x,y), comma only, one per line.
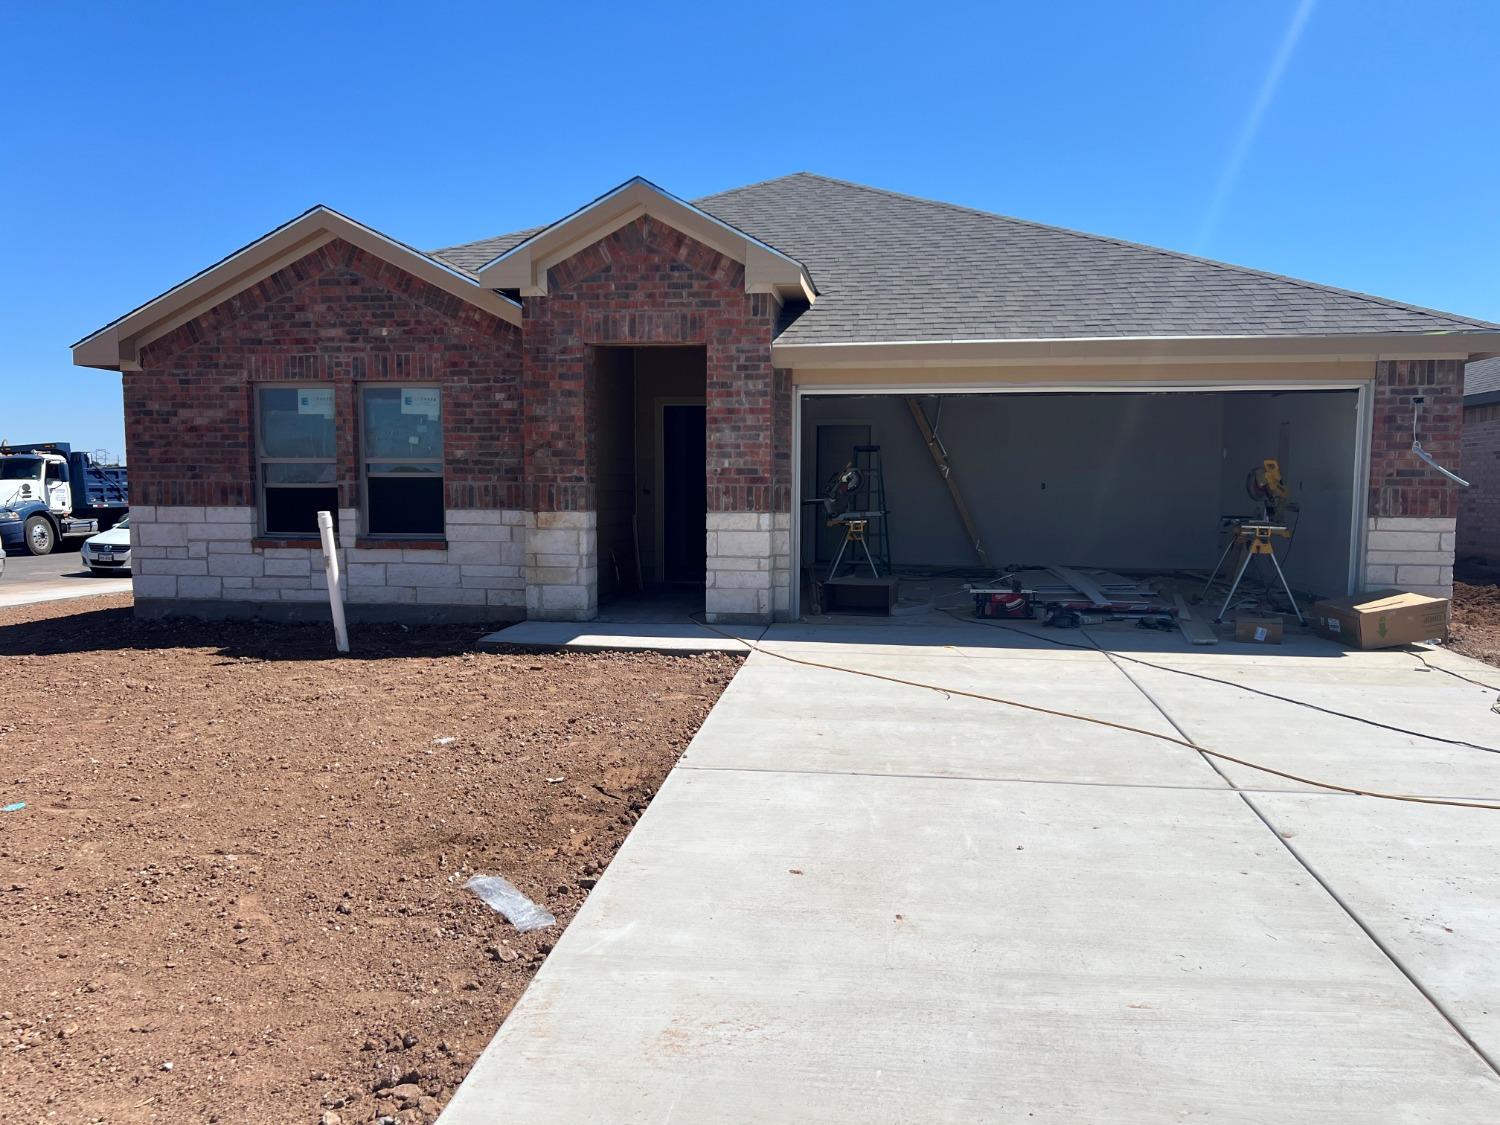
(331,572)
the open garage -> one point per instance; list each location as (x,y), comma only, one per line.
(1138,482)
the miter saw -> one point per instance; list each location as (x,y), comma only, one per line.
(1255,535)
(1265,486)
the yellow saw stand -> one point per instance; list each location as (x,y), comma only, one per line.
(1254,537)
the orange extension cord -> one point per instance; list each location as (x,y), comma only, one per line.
(1329,785)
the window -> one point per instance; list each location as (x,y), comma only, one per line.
(403,460)
(296,449)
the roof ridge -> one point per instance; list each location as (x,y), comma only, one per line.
(763,183)
(1163,251)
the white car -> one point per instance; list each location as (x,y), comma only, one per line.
(109,551)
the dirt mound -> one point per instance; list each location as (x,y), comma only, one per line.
(1474,626)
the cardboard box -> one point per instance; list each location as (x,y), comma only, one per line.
(1381,619)
(1257,630)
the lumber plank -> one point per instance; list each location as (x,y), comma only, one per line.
(1082,583)
(1194,630)
(945,470)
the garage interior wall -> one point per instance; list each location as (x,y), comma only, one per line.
(1122,481)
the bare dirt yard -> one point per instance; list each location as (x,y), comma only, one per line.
(1474,624)
(235,890)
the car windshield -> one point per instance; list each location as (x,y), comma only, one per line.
(124,522)
(20,468)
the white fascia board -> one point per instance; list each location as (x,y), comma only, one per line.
(524,266)
(116,346)
(1134,349)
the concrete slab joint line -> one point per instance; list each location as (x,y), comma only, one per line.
(1396,961)
(1021,882)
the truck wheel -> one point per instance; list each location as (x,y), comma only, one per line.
(40,538)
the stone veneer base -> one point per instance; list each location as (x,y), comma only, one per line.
(1410,553)
(748,556)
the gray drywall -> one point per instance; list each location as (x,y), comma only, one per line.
(1088,480)
(1312,434)
(1127,481)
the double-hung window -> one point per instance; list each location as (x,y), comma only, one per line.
(296,449)
(402,454)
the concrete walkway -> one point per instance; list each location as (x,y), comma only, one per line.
(857,901)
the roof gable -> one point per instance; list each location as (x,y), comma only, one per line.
(116,346)
(523,264)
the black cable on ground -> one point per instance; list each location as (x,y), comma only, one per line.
(1094,646)
(1456,675)
(1317,784)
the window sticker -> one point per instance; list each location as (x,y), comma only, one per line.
(316,400)
(420,400)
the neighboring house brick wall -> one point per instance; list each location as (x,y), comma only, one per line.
(1479,505)
(1412,508)
(343,317)
(649,284)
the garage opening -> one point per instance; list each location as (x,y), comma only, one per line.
(649,454)
(1144,485)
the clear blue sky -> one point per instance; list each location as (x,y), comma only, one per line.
(1354,142)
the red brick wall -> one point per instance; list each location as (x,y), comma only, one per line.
(1479,505)
(337,316)
(645,284)
(1400,484)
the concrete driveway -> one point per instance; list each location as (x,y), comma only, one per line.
(857,901)
(48,578)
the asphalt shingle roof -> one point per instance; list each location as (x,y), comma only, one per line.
(471,255)
(892,267)
(1482,377)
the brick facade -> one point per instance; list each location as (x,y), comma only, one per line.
(1400,485)
(1410,534)
(649,284)
(336,316)
(522,414)
(1479,505)
(645,284)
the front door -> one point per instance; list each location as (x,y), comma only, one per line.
(684,488)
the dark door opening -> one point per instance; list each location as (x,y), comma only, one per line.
(649,453)
(684,452)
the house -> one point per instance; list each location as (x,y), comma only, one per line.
(530,424)
(1479,505)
